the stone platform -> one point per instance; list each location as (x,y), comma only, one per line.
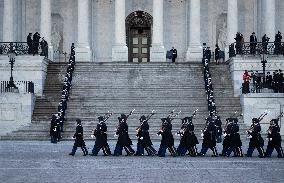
(33,162)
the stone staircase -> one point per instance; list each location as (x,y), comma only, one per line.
(45,106)
(121,87)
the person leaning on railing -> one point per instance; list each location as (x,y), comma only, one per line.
(246,78)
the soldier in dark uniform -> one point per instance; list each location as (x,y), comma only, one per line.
(30,43)
(144,141)
(227,137)
(236,143)
(253,43)
(209,138)
(188,139)
(274,139)
(101,138)
(174,56)
(218,124)
(79,139)
(256,141)
(54,130)
(268,80)
(123,138)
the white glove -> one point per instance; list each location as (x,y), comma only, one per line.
(92,136)
(141,138)
(115,135)
(73,138)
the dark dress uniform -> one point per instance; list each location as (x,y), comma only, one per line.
(256,141)
(123,138)
(101,138)
(54,130)
(167,141)
(188,139)
(227,137)
(174,54)
(236,143)
(79,139)
(209,138)
(274,139)
(144,140)
(218,124)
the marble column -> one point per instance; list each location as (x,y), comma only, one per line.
(194,51)
(119,49)
(232,24)
(269,15)
(45,25)
(83,51)
(8,27)
(157,50)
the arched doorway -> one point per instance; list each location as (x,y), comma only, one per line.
(138,36)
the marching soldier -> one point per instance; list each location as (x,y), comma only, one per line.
(167,141)
(256,141)
(144,141)
(209,138)
(236,143)
(218,124)
(123,138)
(54,130)
(79,139)
(227,137)
(274,139)
(101,137)
(188,139)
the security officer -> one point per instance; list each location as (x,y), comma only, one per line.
(79,139)
(101,138)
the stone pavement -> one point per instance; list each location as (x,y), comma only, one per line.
(42,162)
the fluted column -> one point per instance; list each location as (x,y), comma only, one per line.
(45,25)
(119,49)
(270,19)
(194,52)
(83,51)
(157,51)
(8,21)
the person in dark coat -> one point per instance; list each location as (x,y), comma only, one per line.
(236,143)
(188,139)
(167,141)
(227,137)
(44,48)
(30,43)
(256,141)
(265,41)
(123,138)
(253,43)
(209,138)
(274,139)
(217,54)
(36,38)
(174,54)
(144,140)
(79,139)
(54,130)
(277,42)
(101,138)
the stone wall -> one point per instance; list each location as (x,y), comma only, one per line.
(255,104)
(15,111)
(26,68)
(239,64)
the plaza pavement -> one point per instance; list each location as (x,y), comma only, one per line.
(42,162)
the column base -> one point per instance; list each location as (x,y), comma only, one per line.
(50,53)
(157,53)
(194,53)
(119,53)
(83,54)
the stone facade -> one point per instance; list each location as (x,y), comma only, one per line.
(176,21)
(15,111)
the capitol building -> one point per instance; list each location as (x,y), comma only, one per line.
(138,30)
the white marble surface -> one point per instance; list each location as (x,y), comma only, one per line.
(15,111)
(255,104)
(26,68)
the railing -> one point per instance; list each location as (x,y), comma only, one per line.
(258,48)
(20,48)
(23,86)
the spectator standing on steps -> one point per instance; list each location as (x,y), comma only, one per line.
(30,43)
(217,54)
(253,43)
